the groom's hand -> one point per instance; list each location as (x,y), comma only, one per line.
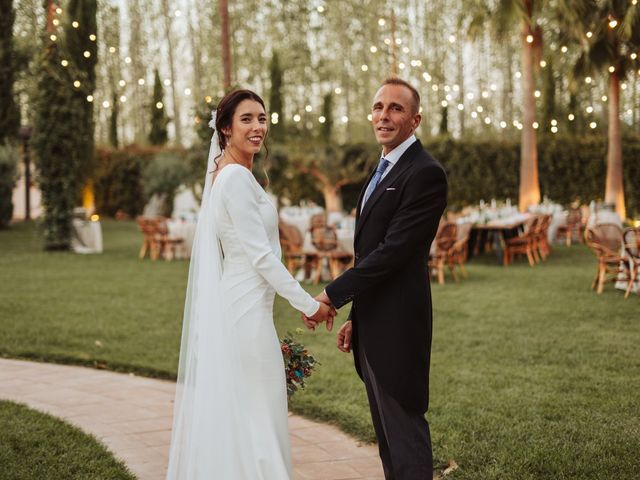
(324,298)
(344,337)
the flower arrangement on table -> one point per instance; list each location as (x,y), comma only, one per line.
(298,364)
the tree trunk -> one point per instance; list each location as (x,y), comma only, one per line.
(332,198)
(174,95)
(614,192)
(223,6)
(529,193)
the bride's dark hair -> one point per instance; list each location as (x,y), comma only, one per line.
(227,108)
(224,117)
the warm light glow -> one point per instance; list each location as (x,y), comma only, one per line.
(623,86)
(77,84)
(123,98)
(401,66)
(64,63)
(296,118)
(95,217)
(604,98)
(571,117)
(593,124)
(434,88)
(369,117)
(167,82)
(634,55)
(345,119)
(480,109)
(89,98)
(518,74)
(543,63)
(308,108)
(122,83)
(105,104)
(612,69)
(56,22)
(564,49)
(112,49)
(444,103)
(58,10)
(92,37)
(159,105)
(452,39)
(141,81)
(460,107)
(537,93)
(387,41)
(87,54)
(187,91)
(536,125)
(426,76)
(398,41)
(613,23)
(364,68)
(487,120)
(503,124)
(338,90)
(554,129)
(373,49)
(75,24)
(554,122)
(589,34)
(321,119)
(587,80)
(320,9)
(381,22)
(529,38)
(178,13)
(589,109)
(127,60)
(53,38)
(474,115)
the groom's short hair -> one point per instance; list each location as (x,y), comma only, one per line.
(404,83)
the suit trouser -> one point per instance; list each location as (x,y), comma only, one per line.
(404,440)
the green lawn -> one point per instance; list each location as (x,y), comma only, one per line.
(533,375)
(35,446)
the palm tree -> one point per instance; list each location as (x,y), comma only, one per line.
(524,15)
(610,46)
(223,8)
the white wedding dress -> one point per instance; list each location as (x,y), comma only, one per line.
(232,423)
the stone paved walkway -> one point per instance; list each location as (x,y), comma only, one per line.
(132,416)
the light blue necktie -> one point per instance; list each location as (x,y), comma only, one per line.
(382,166)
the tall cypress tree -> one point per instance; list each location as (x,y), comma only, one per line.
(327,113)
(113,122)
(158,134)
(54,142)
(9,113)
(80,30)
(276,102)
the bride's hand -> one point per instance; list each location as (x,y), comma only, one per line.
(325,313)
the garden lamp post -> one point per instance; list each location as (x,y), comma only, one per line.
(25,134)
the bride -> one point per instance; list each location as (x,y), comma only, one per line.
(230,413)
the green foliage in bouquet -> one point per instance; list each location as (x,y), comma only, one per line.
(298,364)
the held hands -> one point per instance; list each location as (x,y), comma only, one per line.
(344,337)
(325,313)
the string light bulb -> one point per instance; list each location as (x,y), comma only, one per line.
(529,38)
(75,24)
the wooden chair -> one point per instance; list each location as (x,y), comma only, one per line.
(523,244)
(152,242)
(458,253)
(605,240)
(169,244)
(295,257)
(573,230)
(444,241)
(631,238)
(325,239)
(542,246)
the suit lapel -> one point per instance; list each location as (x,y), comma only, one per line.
(401,165)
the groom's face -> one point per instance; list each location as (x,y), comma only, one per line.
(394,116)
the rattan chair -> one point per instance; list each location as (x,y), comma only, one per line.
(631,237)
(325,239)
(295,257)
(444,241)
(573,229)
(605,240)
(523,244)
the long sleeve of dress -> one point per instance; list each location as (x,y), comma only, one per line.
(241,202)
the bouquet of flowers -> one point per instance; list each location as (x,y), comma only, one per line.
(298,364)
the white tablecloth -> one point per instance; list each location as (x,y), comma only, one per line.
(86,236)
(183,229)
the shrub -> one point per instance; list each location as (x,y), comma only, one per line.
(163,175)
(9,157)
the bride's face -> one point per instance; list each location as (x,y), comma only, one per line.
(248,127)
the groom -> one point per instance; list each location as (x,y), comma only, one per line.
(389,326)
